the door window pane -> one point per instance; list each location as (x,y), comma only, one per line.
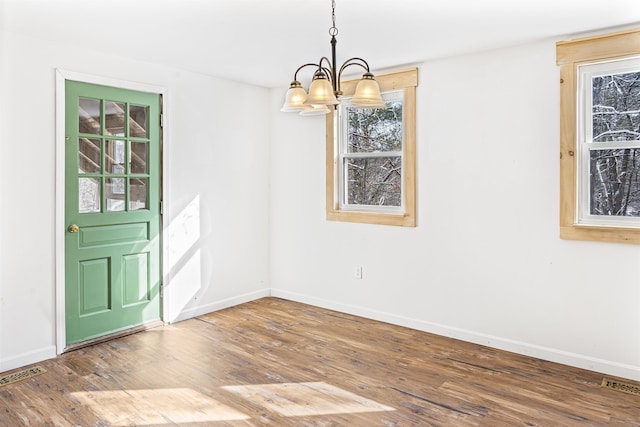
(89,195)
(89,116)
(138,121)
(115,194)
(114,118)
(114,161)
(89,155)
(138,160)
(138,193)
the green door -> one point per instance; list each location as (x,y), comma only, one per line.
(112,210)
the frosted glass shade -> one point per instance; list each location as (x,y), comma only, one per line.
(315,110)
(367,94)
(294,98)
(321,91)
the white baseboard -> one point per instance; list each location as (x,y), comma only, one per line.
(49,352)
(218,305)
(28,358)
(544,353)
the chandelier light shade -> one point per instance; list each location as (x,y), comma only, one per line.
(315,110)
(321,91)
(294,99)
(324,90)
(367,93)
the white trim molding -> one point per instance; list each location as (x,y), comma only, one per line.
(217,305)
(28,358)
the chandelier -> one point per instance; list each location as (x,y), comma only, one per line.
(324,89)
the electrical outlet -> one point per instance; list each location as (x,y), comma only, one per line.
(358,272)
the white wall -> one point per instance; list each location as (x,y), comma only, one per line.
(485,263)
(216,189)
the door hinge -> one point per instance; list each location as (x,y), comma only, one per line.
(161,291)
(161,120)
(161,207)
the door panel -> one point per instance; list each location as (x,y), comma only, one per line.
(93,287)
(112,209)
(109,234)
(137,288)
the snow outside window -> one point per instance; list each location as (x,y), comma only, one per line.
(370,159)
(371,155)
(600,137)
(609,143)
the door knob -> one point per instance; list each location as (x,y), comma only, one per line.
(73,228)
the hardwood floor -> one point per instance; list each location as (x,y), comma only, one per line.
(278,363)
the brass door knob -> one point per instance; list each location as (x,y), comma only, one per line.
(73,228)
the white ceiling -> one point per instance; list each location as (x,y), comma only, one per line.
(262,42)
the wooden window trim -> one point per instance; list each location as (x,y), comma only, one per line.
(570,55)
(403,80)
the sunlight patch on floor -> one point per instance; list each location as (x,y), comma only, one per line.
(153,407)
(306,399)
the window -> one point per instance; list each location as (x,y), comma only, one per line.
(609,143)
(600,137)
(371,156)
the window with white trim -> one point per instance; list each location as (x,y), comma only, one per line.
(371,156)
(609,143)
(600,137)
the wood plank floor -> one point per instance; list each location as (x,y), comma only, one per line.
(278,363)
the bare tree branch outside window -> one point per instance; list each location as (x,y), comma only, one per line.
(614,177)
(372,177)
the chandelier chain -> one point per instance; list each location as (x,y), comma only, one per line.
(333,31)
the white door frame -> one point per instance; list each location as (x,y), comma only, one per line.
(60,224)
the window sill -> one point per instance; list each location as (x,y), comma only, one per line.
(600,234)
(403,220)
